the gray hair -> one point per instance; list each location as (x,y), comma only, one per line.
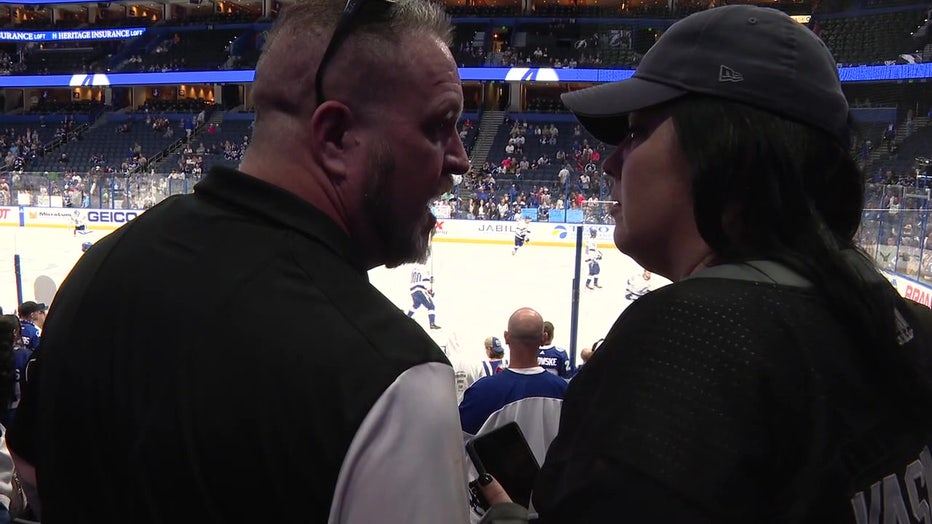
(295,46)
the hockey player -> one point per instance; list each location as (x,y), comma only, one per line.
(522,233)
(550,357)
(638,285)
(422,293)
(593,255)
(79,225)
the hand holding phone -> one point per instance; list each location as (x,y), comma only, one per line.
(504,453)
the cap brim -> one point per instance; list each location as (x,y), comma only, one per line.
(603,109)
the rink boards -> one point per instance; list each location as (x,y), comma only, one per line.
(455,231)
(64,217)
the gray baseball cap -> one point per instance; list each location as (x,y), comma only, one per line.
(755,55)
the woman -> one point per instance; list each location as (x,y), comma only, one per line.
(10,339)
(779,378)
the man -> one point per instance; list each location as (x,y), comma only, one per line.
(585,355)
(167,406)
(495,361)
(524,392)
(31,320)
(522,233)
(80,226)
(593,255)
(422,293)
(467,370)
(638,285)
(550,357)
(523,378)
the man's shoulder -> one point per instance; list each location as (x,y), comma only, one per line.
(552,380)
(493,382)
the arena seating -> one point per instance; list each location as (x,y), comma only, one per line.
(919,144)
(107,145)
(223,145)
(561,44)
(570,137)
(194,50)
(471,44)
(870,39)
(74,58)
(615,42)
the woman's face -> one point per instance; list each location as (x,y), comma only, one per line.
(653,213)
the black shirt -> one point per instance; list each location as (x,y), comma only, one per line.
(244,369)
(716,400)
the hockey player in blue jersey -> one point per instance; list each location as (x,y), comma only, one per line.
(522,233)
(422,293)
(552,358)
(593,255)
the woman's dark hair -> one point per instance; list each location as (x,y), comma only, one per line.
(765,187)
(9,327)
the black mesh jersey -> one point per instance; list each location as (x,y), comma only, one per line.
(715,400)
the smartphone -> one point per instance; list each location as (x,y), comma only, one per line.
(504,453)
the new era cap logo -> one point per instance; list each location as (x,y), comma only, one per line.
(727,74)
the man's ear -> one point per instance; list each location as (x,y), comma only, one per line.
(330,137)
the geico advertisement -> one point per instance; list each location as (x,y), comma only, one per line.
(69,218)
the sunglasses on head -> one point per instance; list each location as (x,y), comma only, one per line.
(351,17)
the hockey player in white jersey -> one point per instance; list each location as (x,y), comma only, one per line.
(422,293)
(638,285)
(77,218)
(593,255)
(522,233)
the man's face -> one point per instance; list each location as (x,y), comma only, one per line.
(416,151)
(405,238)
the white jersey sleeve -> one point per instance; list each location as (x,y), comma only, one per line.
(421,278)
(409,443)
(522,231)
(6,472)
(592,250)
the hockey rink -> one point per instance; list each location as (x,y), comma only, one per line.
(476,286)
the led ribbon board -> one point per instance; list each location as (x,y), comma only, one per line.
(71,36)
(892,73)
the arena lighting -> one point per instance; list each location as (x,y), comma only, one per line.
(883,73)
